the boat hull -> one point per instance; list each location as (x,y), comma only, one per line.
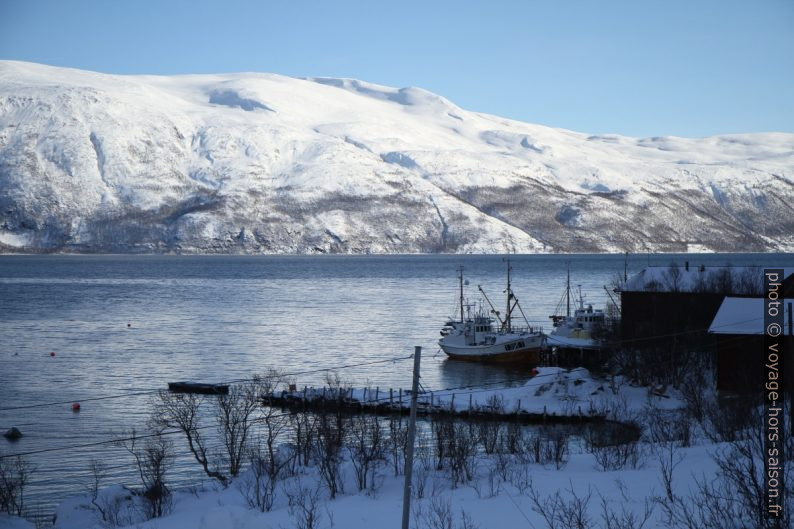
(529,353)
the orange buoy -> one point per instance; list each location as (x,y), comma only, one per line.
(76,406)
(52,353)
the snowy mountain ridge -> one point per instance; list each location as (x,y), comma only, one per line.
(262,163)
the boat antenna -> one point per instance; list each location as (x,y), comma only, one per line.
(460,272)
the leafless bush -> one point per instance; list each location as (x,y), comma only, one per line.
(397,443)
(305,507)
(673,277)
(735,497)
(624,518)
(182,411)
(668,426)
(488,434)
(423,468)
(561,512)
(268,466)
(14,476)
(268,462)
(235,414)
(327,450)
(520,477)
(304,426)
(616,457)
(512,438)
(98,474)
(729,420)
(502,463)
(365,445)
(462,451)
(489,431)
(545,446)
(153,457)
(693,387)
(455,447)
(557,448)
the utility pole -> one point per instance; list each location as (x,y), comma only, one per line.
(409,454)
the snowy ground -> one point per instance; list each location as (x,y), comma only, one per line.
(504,506)
(499,495)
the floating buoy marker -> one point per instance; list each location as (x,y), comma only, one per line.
(76,406)
(52,353)
(129,325)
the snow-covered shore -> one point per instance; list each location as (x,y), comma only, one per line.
(530,472)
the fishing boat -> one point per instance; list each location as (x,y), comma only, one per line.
(482,334)
(580,330)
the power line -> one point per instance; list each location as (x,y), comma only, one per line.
(235,381)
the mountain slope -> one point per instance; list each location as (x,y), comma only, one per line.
(264,163)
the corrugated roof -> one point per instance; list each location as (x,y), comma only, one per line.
(743,316)
(745,279)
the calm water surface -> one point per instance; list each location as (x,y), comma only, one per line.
(214,318)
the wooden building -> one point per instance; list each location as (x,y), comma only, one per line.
(738,329)
(673,307)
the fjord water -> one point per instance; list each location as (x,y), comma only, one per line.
(121,325)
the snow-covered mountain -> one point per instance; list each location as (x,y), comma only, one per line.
(264,163)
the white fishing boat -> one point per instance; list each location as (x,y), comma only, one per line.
(580,330)
(483,335)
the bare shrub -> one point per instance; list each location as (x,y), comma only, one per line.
(268,462)
(397,444)
(673,277)
(569,511)
(545,446)
(439,514)
(234,414)
(557,448)
(305,508)
(268,466)
(182,411)
(462,451)
(693,387)
(512,438)
(14,476)
(488,431)
(327,450)
(735,497)
(365,445)
(624,518)
(423,468)
(613,448)
(489,434)
(668,426)
(304,426)
(730,419)
(153,457)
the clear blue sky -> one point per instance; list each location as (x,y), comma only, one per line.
(636,67)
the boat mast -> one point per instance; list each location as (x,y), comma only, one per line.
(460,275)
(568,293)
(509,298)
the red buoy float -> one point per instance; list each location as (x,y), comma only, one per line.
(76,406)
(52,353)
(535,371)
